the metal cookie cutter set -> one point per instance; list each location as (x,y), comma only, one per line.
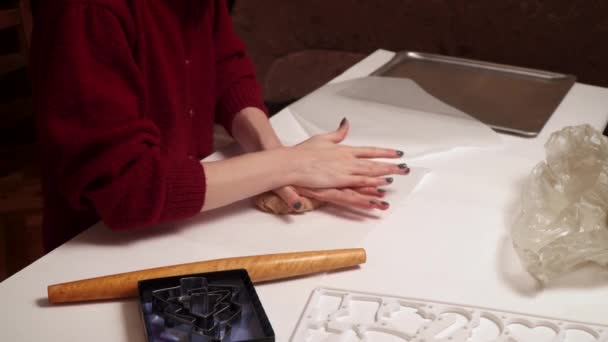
(343,316)
(209,307)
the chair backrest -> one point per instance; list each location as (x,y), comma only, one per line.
(25,11)
(21,18)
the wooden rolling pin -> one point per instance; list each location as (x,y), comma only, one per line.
(260,268)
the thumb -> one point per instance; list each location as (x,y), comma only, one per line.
(340,134)
(290,196)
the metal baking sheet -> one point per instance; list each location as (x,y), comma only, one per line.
(509,99)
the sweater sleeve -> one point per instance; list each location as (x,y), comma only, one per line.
(236,80)
(102,153)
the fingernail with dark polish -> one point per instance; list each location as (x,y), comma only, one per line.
(372,202)
(406,171)
(381,191)
(389,180)
(342,122)
(297,206)
(386,204)
(402,166)
(400,153)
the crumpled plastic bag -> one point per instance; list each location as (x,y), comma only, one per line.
(563,218)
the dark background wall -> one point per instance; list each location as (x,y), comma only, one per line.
(308,41)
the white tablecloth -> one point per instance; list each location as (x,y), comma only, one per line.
(448,241)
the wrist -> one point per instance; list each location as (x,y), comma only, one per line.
(252,129)
(270,142)
(287,162)
(293,164)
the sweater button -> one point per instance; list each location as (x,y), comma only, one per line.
(191,112)
(187,61)
(191,157)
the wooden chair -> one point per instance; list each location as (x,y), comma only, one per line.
(21,18)
(20,198)
(15,93)
(20,222)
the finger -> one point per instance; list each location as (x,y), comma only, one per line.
(290,196)
(376,152)
(349,198)
(371,191)
(340,134)
(365,181)
(378,169)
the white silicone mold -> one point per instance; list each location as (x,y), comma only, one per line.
(343,316)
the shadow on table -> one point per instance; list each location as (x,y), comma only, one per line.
(133,325)
(44,303)
(102,235)
(508,264)
(217,215)
(349,213)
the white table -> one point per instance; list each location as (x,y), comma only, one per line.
(448,241)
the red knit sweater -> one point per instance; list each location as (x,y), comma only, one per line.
(126,95)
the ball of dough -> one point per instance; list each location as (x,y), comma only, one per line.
(269,202)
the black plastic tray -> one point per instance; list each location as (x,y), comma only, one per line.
(251,325)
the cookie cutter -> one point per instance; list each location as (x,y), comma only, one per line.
(197,308)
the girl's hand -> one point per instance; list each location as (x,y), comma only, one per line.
(322,163)
(356,178)
(364,198)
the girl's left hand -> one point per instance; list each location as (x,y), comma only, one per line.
(364,198)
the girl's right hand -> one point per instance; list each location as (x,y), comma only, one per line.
(322,163)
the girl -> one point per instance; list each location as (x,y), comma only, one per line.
(126,96)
